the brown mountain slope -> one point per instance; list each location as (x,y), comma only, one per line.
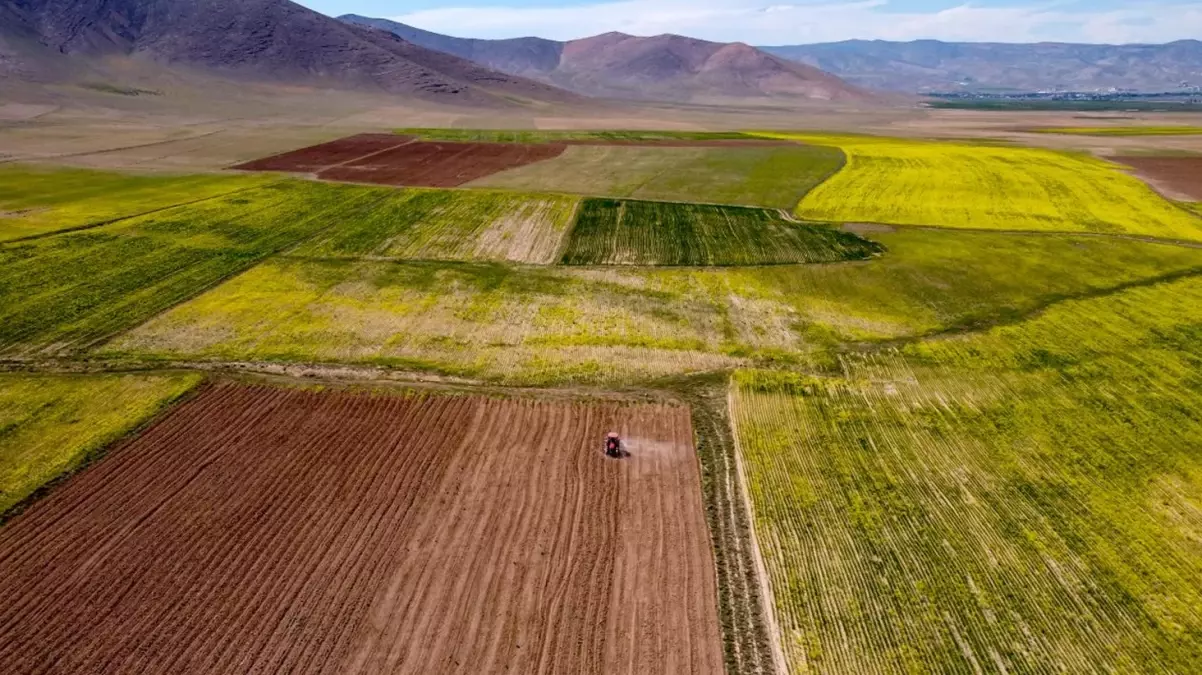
(665,67)
(273,40)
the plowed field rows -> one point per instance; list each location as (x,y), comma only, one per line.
(318,157)
(425,164)
(262,530)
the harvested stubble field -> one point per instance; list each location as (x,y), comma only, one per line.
(51,424)
(38,200)
(430,164)
(1179,177)
(68,292)
(772,177)
(297,531)
(545,325)
(1021,500)
(418,224)
(911,182)
(625,232)
(317,157)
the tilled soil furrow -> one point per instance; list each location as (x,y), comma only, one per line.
(114,514)
(217,528)
(270,530)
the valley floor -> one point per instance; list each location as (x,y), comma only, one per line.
(955,430)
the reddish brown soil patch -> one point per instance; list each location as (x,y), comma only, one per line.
(263,530)
(438,164)
(1176,177)
(318,157)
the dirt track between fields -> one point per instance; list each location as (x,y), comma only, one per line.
(1175,177)
(264,530)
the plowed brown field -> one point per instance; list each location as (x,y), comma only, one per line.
(264,530)
(433,164)
(318,157)
(1176,177)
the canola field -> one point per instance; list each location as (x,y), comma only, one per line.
(947,184)
(1025,499)
(66,293)
(453,225)
(52,424)
(35,200)
(531,325)
(623,232)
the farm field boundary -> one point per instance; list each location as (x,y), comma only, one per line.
(1015,499)
(1176,177)
(531,136)
(326,155)
(534,325)
(69,292)
(431,504)
(770,177)
(415,224)
(911,182)
(52,425)
(629,232)
(439,164)
(37,201)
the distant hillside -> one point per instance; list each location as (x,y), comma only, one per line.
(666,67)
(273,40)
(930,65)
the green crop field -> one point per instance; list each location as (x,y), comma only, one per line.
(909,182)
(620,232)
(36,200)
(551,136)
(73,290)
(1122,131)
(773,177)
(453,225)
(562,324)
(50,424)
(1026,499)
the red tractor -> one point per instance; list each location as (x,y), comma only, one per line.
(613,446)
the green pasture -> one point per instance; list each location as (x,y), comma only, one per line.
(1025,499)
(452,225)
(553,136)
(546,325)
(70,291)
(957,185)
(622,232)
(37,200)
(773,177)
(51,424)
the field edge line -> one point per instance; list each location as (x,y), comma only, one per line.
(105,446)
(768,599)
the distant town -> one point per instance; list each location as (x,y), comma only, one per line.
(1187,98)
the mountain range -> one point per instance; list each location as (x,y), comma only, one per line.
(615,65)
(271,40)
(930,65)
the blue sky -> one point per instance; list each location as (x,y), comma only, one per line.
(767,22)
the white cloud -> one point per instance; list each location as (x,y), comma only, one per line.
(767,23)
